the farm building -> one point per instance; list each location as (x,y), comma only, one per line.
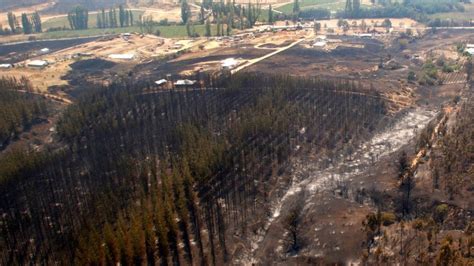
(122,56)
(230,63)
(319,44)
(184,83)
(37,63)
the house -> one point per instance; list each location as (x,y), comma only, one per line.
(37,63)
(470,45)
(122,56)
(6,65)
(184,83)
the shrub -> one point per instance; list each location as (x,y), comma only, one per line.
(388,218)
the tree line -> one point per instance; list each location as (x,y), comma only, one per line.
(30,23)
(18,110)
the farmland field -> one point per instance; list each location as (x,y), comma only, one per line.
(333,6)
(62,21)
(468,14)
(174,31)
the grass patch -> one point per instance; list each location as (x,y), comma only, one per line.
(174,31)
(63,22)
(332,5)
(468,14)
(306,4)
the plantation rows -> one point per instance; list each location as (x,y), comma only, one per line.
(169,177)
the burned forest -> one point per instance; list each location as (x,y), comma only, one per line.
(155,132)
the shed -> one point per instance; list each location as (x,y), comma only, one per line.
(37,63)
(122,56)
(319,44)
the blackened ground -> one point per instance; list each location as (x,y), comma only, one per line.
(16,52)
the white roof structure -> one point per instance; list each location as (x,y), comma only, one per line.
(365,35)
(161,82)
(37,63)
(470,51)
(44,50)
(122,56)
(229,63)
(319,44)
(470,45)
(184,82)
(6,66)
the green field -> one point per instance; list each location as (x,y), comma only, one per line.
(174,31)
(306,4)
(468,14)
(63,22)
(332,5)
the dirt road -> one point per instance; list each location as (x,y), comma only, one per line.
(256,60)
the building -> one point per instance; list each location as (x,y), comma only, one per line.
(6,65)
(230,63)
(319,44)
(184,83)
(161,82)
(470,51)
(470,45)
(122,56)
(37,64)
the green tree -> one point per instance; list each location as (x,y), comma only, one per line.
(12,22)
(317,27)
(36,20)
(348,7)
(208,32)
(387,24)
(185,12)
(356,6)
(270,14)
(296,7)
(121,16)
(26,24)
(99,22)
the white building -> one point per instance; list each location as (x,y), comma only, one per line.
(122,56)
(184,82)
(319,44)
(470,51)
(37,63)
(161,82)
(229,63)
(6,65)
